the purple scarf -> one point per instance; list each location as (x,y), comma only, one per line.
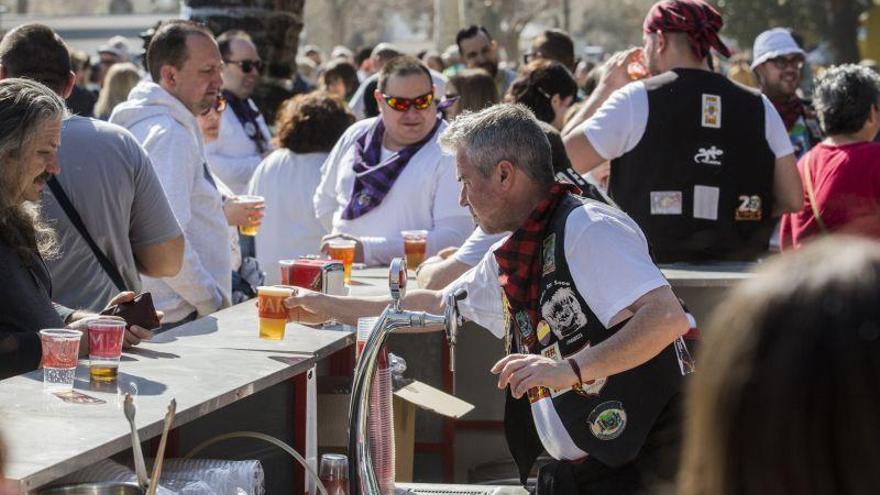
(371,186)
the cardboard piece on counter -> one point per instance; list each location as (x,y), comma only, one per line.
(432,399)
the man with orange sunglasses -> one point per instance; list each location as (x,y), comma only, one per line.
(387,173)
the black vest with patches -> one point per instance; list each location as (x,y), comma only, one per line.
(705,139)
(609,418)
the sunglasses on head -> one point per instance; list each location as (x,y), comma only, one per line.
(218,106)
(403,104)
(247,65)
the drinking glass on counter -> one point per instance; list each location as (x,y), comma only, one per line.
(106,335)
(415,245)
(343,250)
(273,314)
(60,352)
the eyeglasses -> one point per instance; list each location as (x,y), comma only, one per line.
(783,63)
(247,65)
(218,106)
(403,104)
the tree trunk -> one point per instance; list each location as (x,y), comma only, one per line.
(843,22)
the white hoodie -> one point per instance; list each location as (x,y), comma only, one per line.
(170,134)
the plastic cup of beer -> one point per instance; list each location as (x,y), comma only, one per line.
(415,244)
(334,473)
(286,267)
(273,313)
(343,250)
(60,352)
(106,335)
(250,200)
(637,68)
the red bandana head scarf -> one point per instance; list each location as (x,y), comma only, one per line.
(699,20)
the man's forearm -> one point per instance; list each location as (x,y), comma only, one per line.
(347,310)
(652,328)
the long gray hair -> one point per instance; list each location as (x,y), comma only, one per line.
(25,105)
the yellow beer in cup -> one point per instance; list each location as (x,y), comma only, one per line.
(273,314)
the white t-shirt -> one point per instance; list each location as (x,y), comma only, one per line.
(287,180)
(233,155)
(620,123)
(476,246)
(424,196)
(607,256)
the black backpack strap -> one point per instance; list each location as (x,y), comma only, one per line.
(77,222)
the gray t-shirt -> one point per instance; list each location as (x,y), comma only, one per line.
(112,184)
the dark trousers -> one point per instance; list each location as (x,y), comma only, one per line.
(653,470)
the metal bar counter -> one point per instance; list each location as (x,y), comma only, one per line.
(206,365)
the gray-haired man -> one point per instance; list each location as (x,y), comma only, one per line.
(590,323)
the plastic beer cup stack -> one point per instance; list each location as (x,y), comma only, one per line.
(380,416)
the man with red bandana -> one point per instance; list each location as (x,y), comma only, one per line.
(702,164)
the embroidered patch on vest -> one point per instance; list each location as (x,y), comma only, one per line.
(607,420)
(560,308)
(525,329)
(666,203)
(549,254)
(711,111)
(749,209)
(544,332)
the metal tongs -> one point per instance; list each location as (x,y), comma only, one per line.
(149,485)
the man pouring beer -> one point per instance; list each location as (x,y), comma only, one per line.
(589,322)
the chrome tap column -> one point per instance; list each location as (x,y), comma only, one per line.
(362,474)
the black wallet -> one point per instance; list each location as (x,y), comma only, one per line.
(139,311)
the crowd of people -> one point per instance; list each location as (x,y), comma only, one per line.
(549,193)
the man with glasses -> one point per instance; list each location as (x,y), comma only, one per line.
(186,66)
(777,64)
(244,136)
(479,50)
(387,173)
(701,163)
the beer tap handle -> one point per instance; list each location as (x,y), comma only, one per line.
(453,322)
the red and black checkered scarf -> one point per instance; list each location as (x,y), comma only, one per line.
(697,18)
(790,109)
(519,258)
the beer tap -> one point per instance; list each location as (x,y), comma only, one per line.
(362,474)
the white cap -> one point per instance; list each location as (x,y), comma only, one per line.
(118,46)
(776,42)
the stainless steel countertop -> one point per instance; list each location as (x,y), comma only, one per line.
(205,365)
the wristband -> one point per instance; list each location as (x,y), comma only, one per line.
(577,371)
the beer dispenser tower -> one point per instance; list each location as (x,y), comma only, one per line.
(361,472)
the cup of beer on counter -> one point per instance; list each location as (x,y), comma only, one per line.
(106,335)
(253,201)
(415,245)
(343,250)
(273,314)
(60,353)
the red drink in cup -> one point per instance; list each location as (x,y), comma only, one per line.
(106,335)
(60,352)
